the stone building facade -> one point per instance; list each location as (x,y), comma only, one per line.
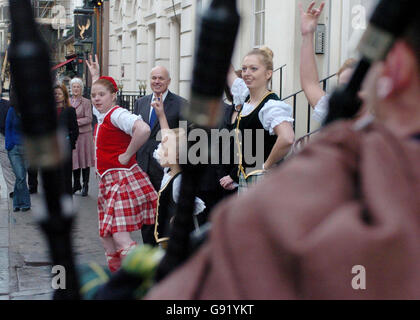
(144,33)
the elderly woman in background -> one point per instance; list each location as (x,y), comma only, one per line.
(83,155)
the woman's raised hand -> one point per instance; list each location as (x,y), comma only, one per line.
(309,19)
(94,68)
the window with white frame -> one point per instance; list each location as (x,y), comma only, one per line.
(259,22)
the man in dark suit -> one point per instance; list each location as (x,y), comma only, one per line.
(159,83)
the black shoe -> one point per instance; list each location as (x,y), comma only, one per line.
(16,209)
(33,190)
(85,190)
(25,209)
(76,188)
(11,195)
(85,176)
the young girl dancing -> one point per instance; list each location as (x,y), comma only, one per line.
(126,199)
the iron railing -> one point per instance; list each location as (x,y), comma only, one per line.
(280,70)
(126,99)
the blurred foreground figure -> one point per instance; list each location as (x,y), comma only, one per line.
(339,221)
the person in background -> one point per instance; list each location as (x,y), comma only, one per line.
(83,154)
(67,125)
(160,80)
(15,151)
(8,174)
(309,79)
(228,172)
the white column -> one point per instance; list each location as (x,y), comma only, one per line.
(119,53)
(142,53)
(174,56)
(150,47)
(134,61)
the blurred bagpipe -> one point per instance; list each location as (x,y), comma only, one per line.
(388,22)
(145,266)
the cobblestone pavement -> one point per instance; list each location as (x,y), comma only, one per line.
(25,267)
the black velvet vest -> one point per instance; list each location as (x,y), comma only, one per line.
(166,210)
(252,124)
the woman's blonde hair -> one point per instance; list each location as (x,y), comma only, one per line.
(266,55)
(348,64)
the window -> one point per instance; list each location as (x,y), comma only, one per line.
(5,13)
(259,22)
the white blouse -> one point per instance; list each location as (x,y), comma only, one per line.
(121,118)
(176,186)
(239,91)
(271,114)
(321,109)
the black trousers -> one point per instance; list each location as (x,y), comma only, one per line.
(33,178)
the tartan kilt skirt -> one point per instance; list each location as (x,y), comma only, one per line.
(245,183)
(126,201)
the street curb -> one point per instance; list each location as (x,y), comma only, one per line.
(4,249)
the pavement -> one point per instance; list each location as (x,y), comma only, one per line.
(25,265)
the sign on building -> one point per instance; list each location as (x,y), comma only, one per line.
(83,27)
